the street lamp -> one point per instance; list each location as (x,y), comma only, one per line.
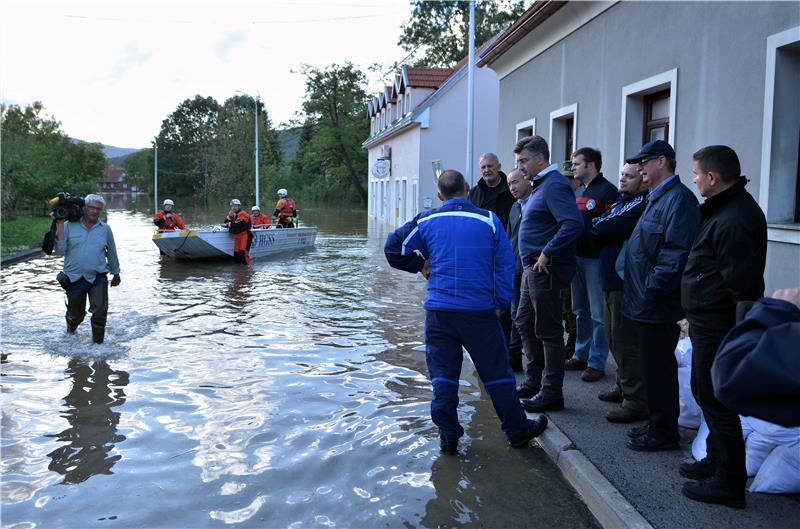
(255,101)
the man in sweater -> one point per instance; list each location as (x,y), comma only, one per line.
(594,196)
(550,226)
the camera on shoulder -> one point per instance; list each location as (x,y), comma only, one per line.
(67,207)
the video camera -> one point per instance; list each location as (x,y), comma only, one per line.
(67,207)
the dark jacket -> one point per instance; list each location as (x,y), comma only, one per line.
(512,229)
(498,199)
(550,222)
(757,368)
(593,201)
(726,264)
(611,229)
(657,252)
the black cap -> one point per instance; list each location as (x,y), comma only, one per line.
(654,148)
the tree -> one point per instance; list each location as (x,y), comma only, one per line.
(139,168)
(335,124)
(440,29)
(184,147)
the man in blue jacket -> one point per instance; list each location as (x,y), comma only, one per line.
(464,253)
(548,233)
(654,262)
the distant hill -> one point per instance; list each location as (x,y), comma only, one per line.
(109,150)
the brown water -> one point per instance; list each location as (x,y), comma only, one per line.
(288,394)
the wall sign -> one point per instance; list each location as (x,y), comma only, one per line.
(381,169)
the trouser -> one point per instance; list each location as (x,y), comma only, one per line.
(657,342)
(624,344)
(587,303)
(538,321)
(515,342)
(725,443)
(286,222)
(241,247)
(481,334)
(97,292)
(569,321)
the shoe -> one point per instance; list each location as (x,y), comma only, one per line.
(713,491)
(539,404)
(71,328)
(639,431)
(525,392)
(651,443)
(575,365)
(98,334)
(534,428)
(625,415)
(447,447)
(591,374)
(697,470)
(612,394)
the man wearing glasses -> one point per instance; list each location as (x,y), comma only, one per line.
(654,263)
(89,255)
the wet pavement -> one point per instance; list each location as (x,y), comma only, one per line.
(291,393)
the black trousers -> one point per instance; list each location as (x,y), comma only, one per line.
(657,342)
(724,445)
(97,293)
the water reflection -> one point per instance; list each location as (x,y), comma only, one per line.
(92,434)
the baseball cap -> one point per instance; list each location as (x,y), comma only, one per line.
(654,148)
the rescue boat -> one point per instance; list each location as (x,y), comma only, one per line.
(216,243)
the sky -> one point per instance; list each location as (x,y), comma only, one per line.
(111,71)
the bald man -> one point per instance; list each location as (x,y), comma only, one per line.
(491,192)
(520,188)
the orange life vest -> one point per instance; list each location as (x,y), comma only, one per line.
(168,224)
(285,207)
(259,220)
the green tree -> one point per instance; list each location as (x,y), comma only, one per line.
(233,156)
(184,147)
(439,30)
(330,158)
(139,167)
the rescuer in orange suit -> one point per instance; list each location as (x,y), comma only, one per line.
(257,219)
(238,223)
(167,220)
(285,209)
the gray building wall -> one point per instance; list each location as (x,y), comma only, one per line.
(719,51)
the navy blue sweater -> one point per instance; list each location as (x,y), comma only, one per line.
(611,229)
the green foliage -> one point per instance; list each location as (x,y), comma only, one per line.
(139,168)
(38,159)
(440,29)
(22,232)
(330,161)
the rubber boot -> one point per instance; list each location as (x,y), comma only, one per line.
(98,333)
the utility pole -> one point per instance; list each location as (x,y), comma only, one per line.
(471,92)
(257,169)
(155,174)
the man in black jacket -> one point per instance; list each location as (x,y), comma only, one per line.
(654,262)
(491,192)
(520,188)
(725,266)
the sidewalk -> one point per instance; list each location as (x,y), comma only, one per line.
(24,255)
(647,482)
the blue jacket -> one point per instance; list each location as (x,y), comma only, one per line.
(657,253)
(472,265)
(757,368)
(551,222)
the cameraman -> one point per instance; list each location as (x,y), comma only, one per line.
(89,254)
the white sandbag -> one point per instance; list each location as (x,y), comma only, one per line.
(781,435)
(699,443)
(683,353)
(780,472)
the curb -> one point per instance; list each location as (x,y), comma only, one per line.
(24,255)
(604,501)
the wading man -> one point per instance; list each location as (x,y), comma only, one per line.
(89,255)
(238,224)
(464,253)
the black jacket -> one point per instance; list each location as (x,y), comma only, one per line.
(657,252)
(593,201)
(498,199)
(726,264)
(512,229)
(611,229)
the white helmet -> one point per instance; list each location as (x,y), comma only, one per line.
(169,202)
(235,202)
(282,192)
(255,208)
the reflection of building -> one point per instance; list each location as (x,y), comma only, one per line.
(92,434)
(419,119)
(115,181)
(614,75)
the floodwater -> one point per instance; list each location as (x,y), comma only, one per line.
(288,394)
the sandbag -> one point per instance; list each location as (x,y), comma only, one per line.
(699,442)
(690,414)
(780,472)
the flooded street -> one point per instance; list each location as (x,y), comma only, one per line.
(291,393)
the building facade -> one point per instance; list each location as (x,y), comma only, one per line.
(614,75)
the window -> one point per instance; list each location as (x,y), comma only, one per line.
(562,133)
(525,129)
(415,197)
(404,202)
(648,111)
(656,117)
(398,204)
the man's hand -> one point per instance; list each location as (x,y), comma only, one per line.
(115,281)
(426,269)
(541,264)
(792,295)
